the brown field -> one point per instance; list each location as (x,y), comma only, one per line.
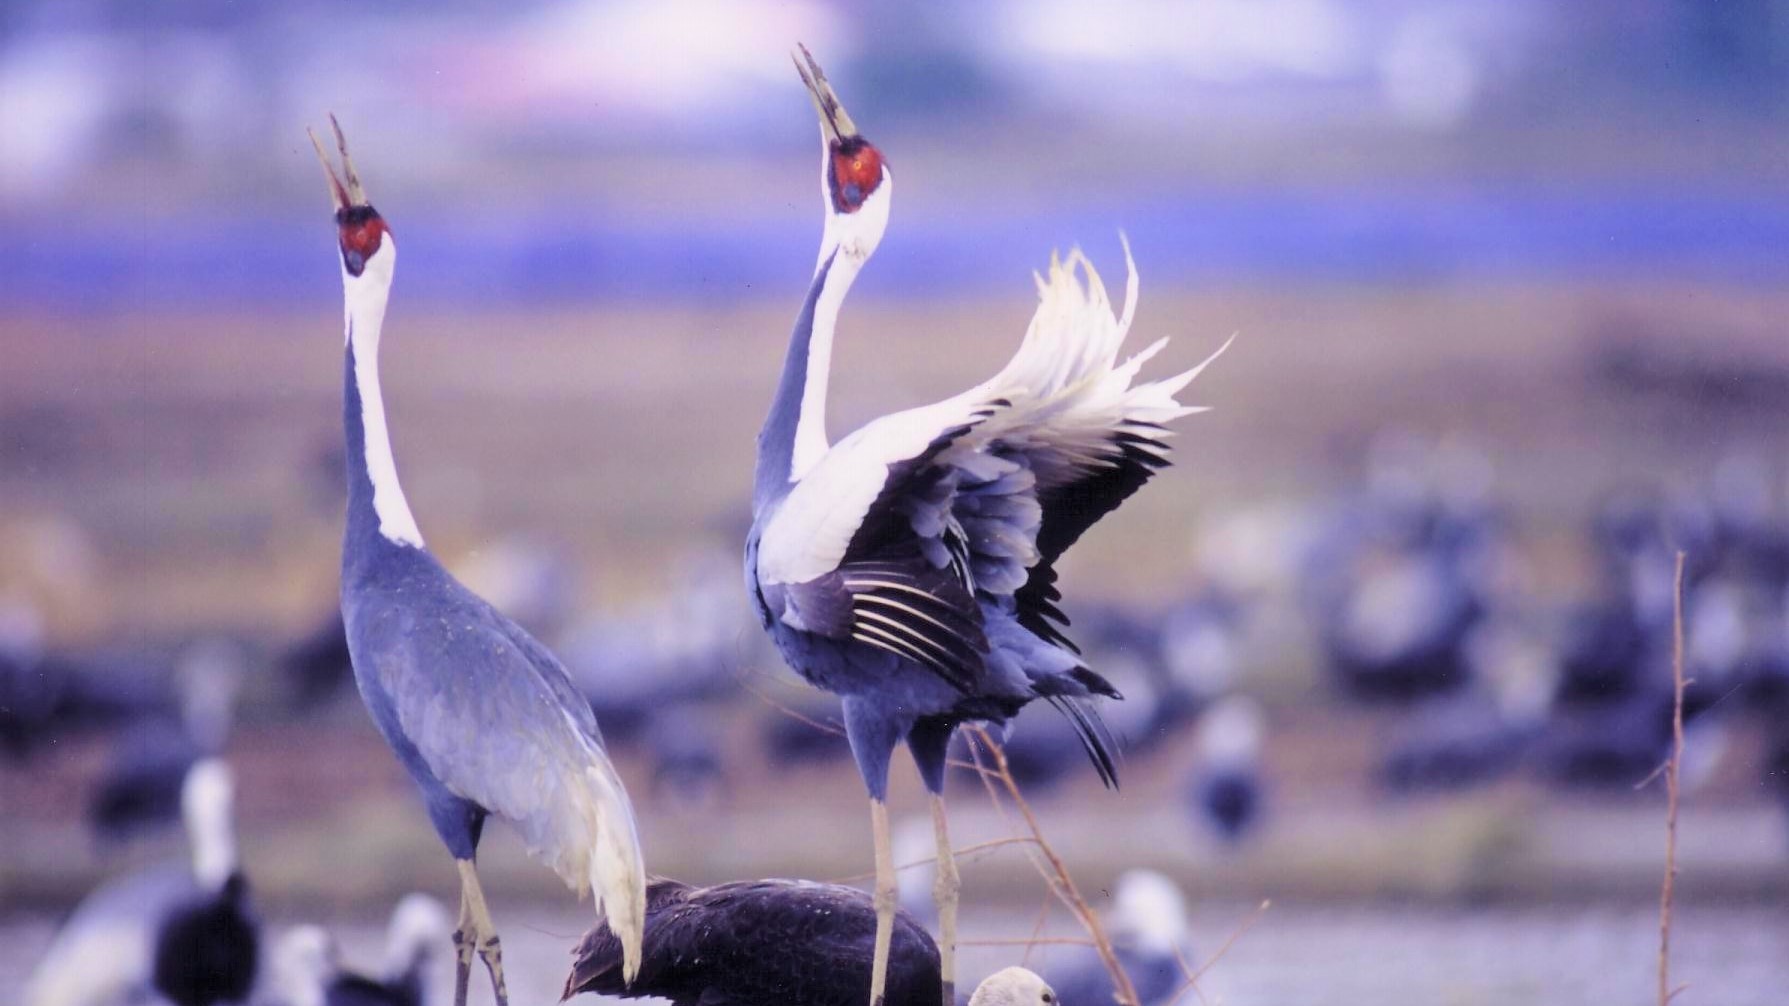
(188,448)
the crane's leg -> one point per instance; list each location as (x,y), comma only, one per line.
(483,936)
(885,899)
(464,939)
(873,735)
(945,885)
(929,740)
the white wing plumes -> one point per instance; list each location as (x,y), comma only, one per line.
(1063,408)
(1069,394)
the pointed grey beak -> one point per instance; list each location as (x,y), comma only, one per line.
(340,195)
(835,124)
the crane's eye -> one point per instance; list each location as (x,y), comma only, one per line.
(1048,999)
(362,232)
(856,172)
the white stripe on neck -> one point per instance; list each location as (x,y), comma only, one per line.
(849,239)
(811,443)
(206,797)
(364,307)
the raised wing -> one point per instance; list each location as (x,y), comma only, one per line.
(993,485)
(901,580)
(1089,435)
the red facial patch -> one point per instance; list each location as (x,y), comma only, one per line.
(856,171)
(362,231)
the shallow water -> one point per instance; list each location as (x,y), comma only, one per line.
(1294,955)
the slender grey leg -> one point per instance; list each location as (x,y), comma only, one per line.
(885,898)
(465,939)
(484,931)
(945,886)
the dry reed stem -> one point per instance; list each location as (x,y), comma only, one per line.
(1193,976)
(1035,941)
(825,728)
(1060,886)
(967,850)
(1037,927)
(1057,875)
(1666,992)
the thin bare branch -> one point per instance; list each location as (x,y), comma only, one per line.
(1125,993)
(825,728)
(1034,941)
(965,851)
(1037,928)
(987,778)
(1247,924)
(1672,767)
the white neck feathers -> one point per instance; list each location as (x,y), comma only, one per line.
(811,443)
(364,310)
(206,799)
(849,241)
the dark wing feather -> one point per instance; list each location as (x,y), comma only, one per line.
(1073,507)
(772,942)
(1091,731)
(909,608)
(596,961)
(904,584)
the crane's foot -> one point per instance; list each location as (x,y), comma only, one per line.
(492,954)
(462,975)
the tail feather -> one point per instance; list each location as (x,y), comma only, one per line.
(1095,739)
(617,873)
(1095,683)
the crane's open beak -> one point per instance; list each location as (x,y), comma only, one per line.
(835,125)
(343,196)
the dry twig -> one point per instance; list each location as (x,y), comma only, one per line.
(1060,885)
(826,728)
(1666,992)
(1056,875)
(1037,928)
(1193,976)
(1034,941)
(967,850)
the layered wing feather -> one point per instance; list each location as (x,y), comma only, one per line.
(995,483)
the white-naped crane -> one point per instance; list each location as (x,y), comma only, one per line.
(308,968)
(759,943)
(1225,786)
(909,567)
(175,933)
(482,715)
(1150,938)
(141,786)
(777,943)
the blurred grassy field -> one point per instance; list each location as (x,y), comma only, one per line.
(189,447)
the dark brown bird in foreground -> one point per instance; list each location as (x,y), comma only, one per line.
(769,942)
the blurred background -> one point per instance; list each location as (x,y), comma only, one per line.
(1395,632)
